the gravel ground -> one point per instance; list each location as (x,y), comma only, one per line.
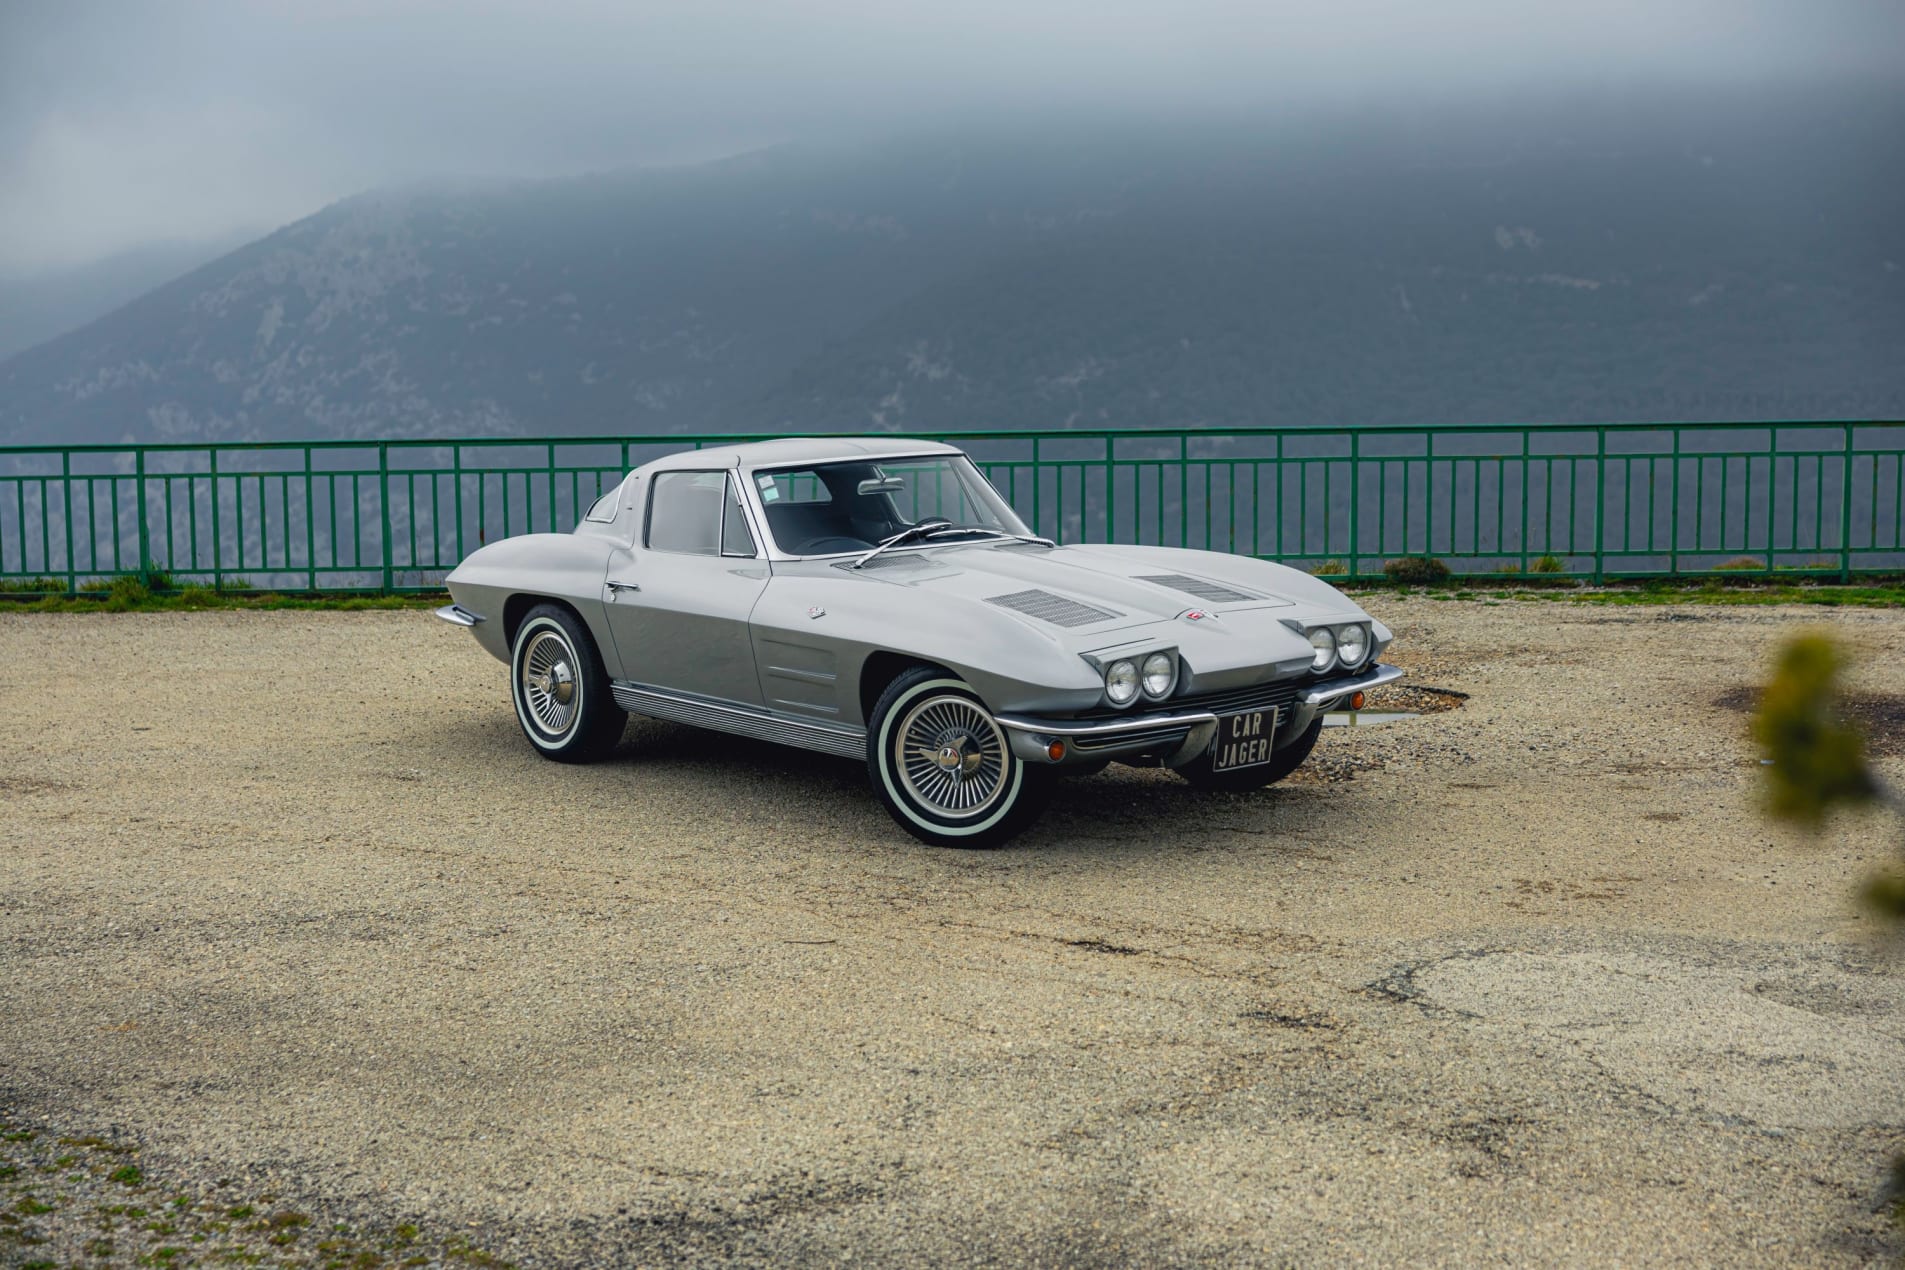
(294,921)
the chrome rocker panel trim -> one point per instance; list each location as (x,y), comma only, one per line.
(728,716)
(457,615)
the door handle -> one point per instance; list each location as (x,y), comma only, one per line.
(625,586)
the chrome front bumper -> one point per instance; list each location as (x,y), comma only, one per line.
(457,615)
(1176,736)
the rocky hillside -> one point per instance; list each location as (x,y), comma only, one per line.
(1721,259)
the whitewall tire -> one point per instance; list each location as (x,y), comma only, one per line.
(943,767)
(560,689)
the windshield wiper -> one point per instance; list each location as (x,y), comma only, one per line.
(935,528)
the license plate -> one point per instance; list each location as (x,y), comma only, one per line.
(1243,740)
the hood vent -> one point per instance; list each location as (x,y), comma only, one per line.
(1214,592)
(1055,609)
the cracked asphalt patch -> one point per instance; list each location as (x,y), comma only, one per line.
(294,907)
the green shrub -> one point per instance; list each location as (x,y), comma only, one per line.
(1330,569)
(32,586)
(157,579)
(126,593)
(198,595)
(1548,564)
(236,582)
(95,586)
(1741,563)
(1416,571)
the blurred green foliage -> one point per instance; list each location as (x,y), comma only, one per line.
(1817,761)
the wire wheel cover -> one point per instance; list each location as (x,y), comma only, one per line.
(548,682)
(951,756)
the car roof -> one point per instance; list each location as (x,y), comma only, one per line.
(785,450)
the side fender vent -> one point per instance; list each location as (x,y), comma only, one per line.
(1055,609)
(1214,592)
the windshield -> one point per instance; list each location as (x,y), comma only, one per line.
(839,508)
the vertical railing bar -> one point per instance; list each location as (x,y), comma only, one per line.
(383,499)
(140,509)
(310,527)
(1355,499)
(1845,510)
(46,532)
(1183,491)
(1772,493)
(1600,505)
(456,471)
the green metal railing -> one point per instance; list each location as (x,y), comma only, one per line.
(1607,501)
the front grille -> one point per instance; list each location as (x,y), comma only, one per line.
(1169,735)
(1055,609)
(1214,592)
(1279,695)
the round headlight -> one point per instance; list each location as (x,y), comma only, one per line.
(1121,682)
(1158,673)
(1325,645)
(1352,644)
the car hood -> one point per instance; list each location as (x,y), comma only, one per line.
(1096,594)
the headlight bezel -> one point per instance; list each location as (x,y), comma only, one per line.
(1367,638)
(1170,676)
(1136,681)
(1322,654)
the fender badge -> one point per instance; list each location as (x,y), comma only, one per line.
(816,612)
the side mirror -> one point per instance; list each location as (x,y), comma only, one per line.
(883,485)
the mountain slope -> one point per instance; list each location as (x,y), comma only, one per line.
(1728,258)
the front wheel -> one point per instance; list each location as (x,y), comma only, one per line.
(561,691)
(943,767)
(1244,779)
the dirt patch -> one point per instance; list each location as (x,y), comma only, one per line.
(1416,698)
(1879,715)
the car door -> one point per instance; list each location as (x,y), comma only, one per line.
(679,597)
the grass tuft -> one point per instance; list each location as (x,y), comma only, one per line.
(1416,571)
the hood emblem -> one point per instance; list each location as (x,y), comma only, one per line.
(816,612)
(1196,615)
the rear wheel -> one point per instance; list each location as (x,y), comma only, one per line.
(943,767)
(561,692)
(1244,779)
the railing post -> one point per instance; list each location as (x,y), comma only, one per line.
(383,499)
(1038,482)
(456,474)
(1600,505)
(1673,509)
(1355,497)
(139,505)
(217,542)
(66,490)
(1845,510)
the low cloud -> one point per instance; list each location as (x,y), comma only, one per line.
(123,121)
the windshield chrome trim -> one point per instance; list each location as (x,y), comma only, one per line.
(773,548)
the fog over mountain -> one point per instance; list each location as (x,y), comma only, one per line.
(1706,255)
(41,305)
(744,215)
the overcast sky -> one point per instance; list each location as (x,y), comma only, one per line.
(123,122)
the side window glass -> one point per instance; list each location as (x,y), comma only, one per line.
(735,538)
(685,512)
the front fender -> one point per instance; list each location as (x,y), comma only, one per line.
(1012,666)
(566,567)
